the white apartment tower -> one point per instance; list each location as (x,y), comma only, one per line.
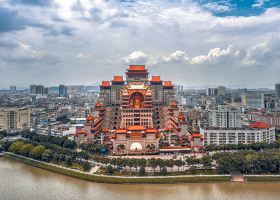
(223,117)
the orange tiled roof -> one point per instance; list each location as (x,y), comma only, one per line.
(118,79)
(181,117)
(137,134)
(81,131)
(137,67)
(173,103)
(90,118)
(98,104)
(259,125)
(155,79)
(105,129)
(168,84)
(151,131)
(136,128)
(196,135)
(105,83)
(120,131)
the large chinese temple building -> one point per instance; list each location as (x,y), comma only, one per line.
(132,113)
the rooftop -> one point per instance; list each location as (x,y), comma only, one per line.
(118,79)
(136,67)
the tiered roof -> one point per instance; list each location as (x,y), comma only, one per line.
(137,67)
(168,84)
(105,84)
(156,79)
(118,79)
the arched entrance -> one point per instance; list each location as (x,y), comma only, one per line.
(135,147)
(136,100)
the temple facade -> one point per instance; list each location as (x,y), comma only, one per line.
(134,113)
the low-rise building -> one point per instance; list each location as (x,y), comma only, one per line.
(255,132)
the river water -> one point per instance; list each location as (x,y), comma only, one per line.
(22,182)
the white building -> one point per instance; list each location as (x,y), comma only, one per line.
(223,117)
(256,132)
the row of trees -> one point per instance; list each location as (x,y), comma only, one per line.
(249,162)
(53,154)
(162,164)
(94,148)
(60,141)
(254,146)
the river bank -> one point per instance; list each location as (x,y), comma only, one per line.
(134,180)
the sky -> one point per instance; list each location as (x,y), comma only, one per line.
(194,43)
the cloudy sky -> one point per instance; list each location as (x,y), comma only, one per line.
(195,43)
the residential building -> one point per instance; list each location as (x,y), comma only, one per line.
(224,117)
(256,132)
(14,119)
(253,100)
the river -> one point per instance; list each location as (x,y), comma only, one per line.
(23,182)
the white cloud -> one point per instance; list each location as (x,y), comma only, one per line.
(142,32)
(215,7)
(265,52)
(139,57)
(259,3)
(177,56)
(216,54)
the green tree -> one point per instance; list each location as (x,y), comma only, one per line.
(86,166)
(69,161)
(15,147)
(26,149)
(109,169)
(142,171)
(152,162)
(164,171)
(206,161)
(178,163)
(47,155)
(37,152)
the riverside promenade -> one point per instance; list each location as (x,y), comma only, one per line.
(89,176)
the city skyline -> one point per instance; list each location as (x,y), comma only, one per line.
(194,43)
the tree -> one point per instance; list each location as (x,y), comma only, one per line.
(47,155)
(178,163)
(142,171)
(153,163)
(15,147)
(130,164)
(86,166)
(26,149)
(109,169)
(170,163)
(206,161)
(70,144)
(193,169)
(164,171)
(37,152)
(69,161)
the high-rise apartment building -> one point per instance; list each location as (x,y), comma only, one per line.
(13,88)
(38,89)
(253,100)
(277,91)
(224,117)
(62,90)
(14,119)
